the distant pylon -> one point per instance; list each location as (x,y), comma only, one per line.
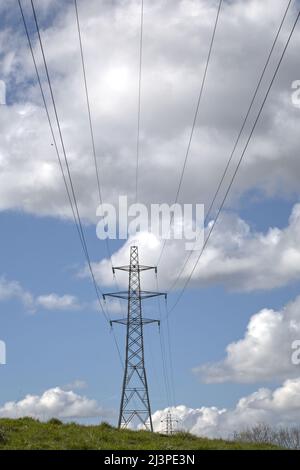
(169,421)
(135,403)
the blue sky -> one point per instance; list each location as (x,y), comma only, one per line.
(55,348)
(57,345)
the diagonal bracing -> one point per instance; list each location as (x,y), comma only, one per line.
(135,403)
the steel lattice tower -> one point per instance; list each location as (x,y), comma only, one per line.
(169,421)
(135,403)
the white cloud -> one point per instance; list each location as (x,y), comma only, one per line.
(56,302)
(54,402)
(247,260)
(177,34)
(76,385)
(236,256)
(265,351)
(278,407)
(149,247)
(13,290)
(2,352)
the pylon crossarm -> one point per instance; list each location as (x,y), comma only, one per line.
(147,294)
(119,295)
(145,321)
(144,294)
(139,267)
(120,322)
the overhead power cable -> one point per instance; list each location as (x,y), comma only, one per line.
(48,117)
(88,102)
(194,120)
(91,127)
(167,380)
(170,384)
(237,167)
(139,103)
(76,220)
(169,341)
(236,142)
(66,160)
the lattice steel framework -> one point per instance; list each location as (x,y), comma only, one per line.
(169,422)
(135,403)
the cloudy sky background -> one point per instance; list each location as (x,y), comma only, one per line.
(232,331)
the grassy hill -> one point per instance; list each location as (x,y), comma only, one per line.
(27,433)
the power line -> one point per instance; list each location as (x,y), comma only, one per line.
(139,103)
(170,356)
(195,118)
(237,167)
(48,116)
(77,222)
(164,366)
(236,142)
(163,353)
(88,102)
(250,107)
(79,225)
(90,120)
(66,161)
(59,127)
(169,346)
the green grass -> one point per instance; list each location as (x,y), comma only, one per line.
(27,433)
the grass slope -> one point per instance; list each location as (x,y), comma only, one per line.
(27,433)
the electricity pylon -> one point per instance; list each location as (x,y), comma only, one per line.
(169,421)
(135,403)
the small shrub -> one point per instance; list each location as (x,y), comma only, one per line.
(105,425)
(55,421)
(3,438)
(27,419)
(288,437)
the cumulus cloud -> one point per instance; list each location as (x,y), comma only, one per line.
(247,260)
(54,402)
(176,40)
(76,385)
(265,351)
(2,352)
(236,256)
(280,407)
(56,302)
(13,290)
(149,246)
